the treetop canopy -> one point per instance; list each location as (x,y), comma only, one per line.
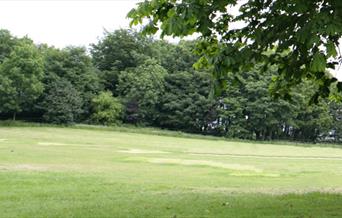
(303,36)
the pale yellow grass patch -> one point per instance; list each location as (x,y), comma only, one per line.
(48,167)
(255,174)
(141,151)
(269,191)
(51,143)
(25,167)
(2,140)
(206,163)
(266,156)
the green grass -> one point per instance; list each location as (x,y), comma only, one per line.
(125,172)
(163,132)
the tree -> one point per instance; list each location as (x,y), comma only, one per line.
(247,110)
(7,43)
(74,65)
(118,51)
(142,89)
(304,36)
(20,78)
(336,113)
(174,57)
(311,120)
(186,104)
(107,110)
(62,103)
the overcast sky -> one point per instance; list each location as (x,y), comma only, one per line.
(67,22)
(64,22)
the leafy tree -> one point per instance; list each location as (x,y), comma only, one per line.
(158,86)
(247,110)
(74,65)
(21,74)
(7,43)
(174,57)
(118,51)
(304,35)
(186,104)
(142,89)
(232,117)
(62,103)
(311,120)
(106,109)
(336,114)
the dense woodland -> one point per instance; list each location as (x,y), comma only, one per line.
(128,78)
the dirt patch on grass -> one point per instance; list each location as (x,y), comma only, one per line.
(141,151)
(24,167)
(51,143)
(238,167)
(46,167)
(268,191)
(252,174)
(267,156)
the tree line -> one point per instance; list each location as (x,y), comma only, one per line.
(129,78)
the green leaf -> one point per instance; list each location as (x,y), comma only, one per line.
(331,49)
(339,86)
(318,63)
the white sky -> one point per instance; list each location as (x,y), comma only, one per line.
(67,22)
(61,23)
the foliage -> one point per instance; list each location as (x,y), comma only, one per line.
(174,58)
(106,109)
(303,35)
(118,51)
(186,104)
(157,86)
(247,110)
(21,74)
(62,103)
(336,114)
(74,65)
(7,42)
(142,89)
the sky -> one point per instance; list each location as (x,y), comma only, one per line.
(64,22)
(68,22)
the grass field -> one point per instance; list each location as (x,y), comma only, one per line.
(68,172)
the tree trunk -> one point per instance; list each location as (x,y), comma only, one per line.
(14,115)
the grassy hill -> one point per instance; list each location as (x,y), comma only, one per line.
(93,172)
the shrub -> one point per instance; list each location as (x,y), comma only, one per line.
(62,103)
(107,110)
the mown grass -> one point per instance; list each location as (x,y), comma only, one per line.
(164,132)
(89,172)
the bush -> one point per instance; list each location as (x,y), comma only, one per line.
(107,110)
(62,103)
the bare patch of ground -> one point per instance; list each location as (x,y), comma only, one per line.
(25,167)
(267,156)
(263,174)
(268,191)
(239,167)
(42,167)
(51,143)
(141,151)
